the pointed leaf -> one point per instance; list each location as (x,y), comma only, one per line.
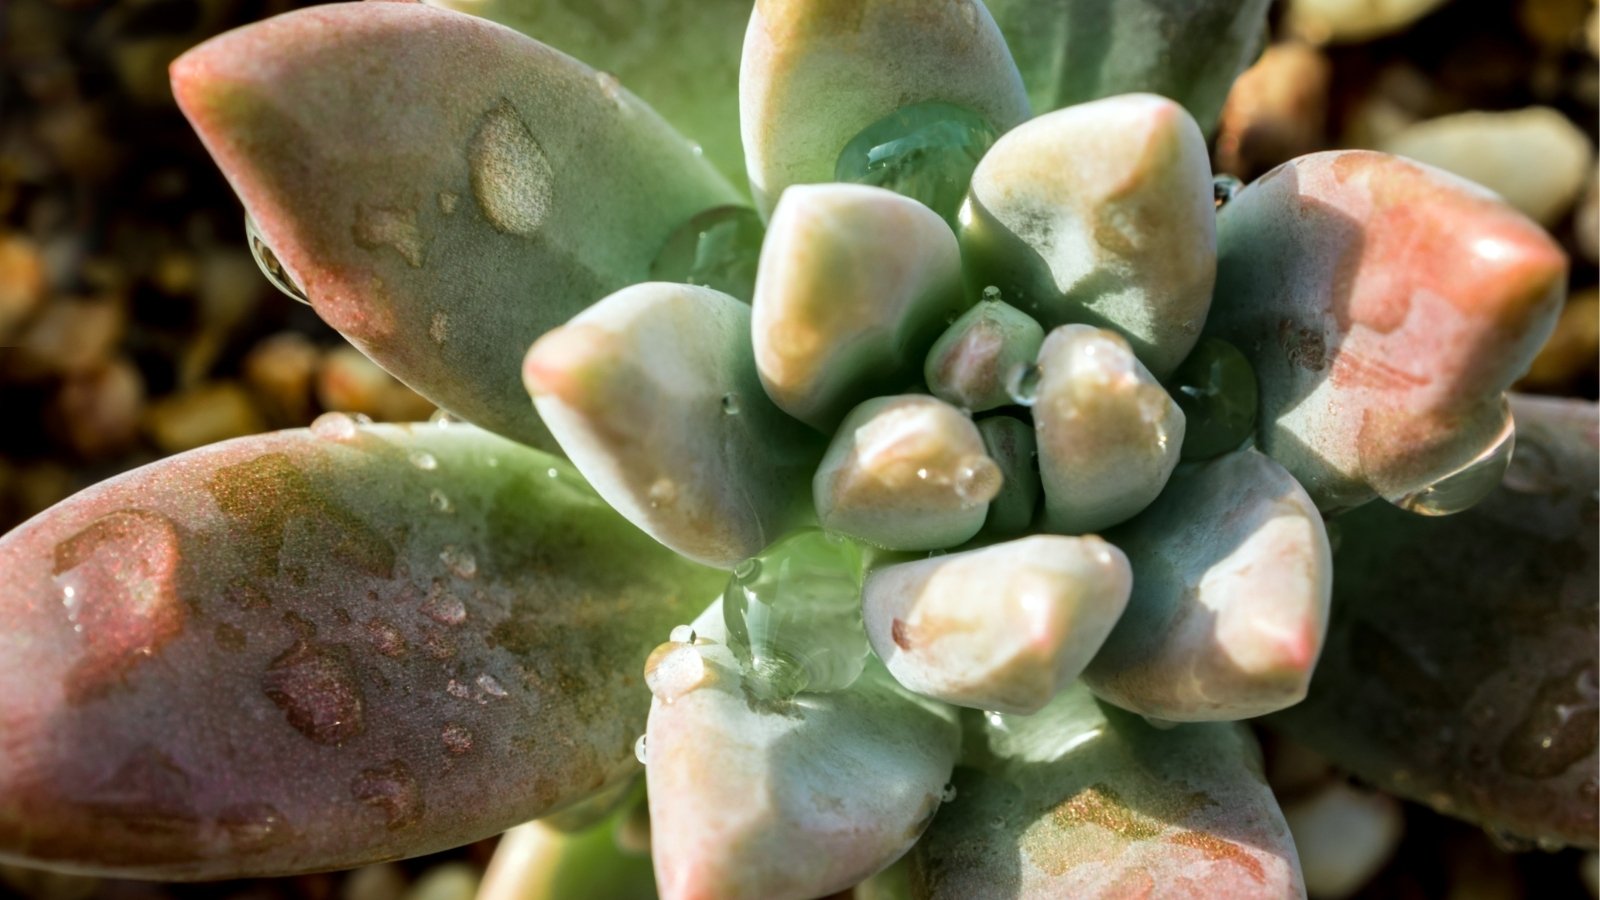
(815,74)
(653,394)
(1231,571)
(679,56)
(291,653)
(441,220)
(1460,664)
(971,363)
(1003,627)
(788,799)
(1385,306)
(1081,800)
(1073,51)
(1100,214)
(855,283)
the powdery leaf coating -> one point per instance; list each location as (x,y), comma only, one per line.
(854,284)
(679,56)
(1232,574)
(906,473)
(653,394)
(1385,306)
(817,72)
(1109,435)
(1460,664)
(1103,214)
(276,655)
(1083,800)
(1073,51)
(441,222)
(1003,627)
(788,800)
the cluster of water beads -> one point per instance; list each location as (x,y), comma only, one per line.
(1468,484)
(1215,386)
(925,151)
(268,261)
(793,615)
(718,249)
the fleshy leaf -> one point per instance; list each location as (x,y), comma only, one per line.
(1231,571)
(1460,664)
(679,56)
(906,473)
(1011,443)
(1100,214)
(814,74)
(788,799)
(1109,435)
(1385,306)
(653,394)
(1003,627)
(1081,800)
(970,363)
(1073,51)
(537,862)
(854,285)
(293,653)
(441,220)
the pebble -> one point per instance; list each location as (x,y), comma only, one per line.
(1323,21)
(96,414)
(1344,836)
(203,415)
(22,282)
(70,337)
(349,382)
(279,370)
(1277,110)
(1568,359)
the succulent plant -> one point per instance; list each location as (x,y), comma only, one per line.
(948,497)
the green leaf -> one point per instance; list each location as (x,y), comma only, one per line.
(786,800)
(1081,800)
(1460,664)
(1072,51)
(1230,596)
(1385,306)
(441,213)
(679,56)
(817,72)
(292,653)
(538,862)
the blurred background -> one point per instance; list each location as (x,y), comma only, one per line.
(134,323)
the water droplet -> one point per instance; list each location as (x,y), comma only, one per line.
(1022,383)
(995,719)
(491,686)
(440,501)
(424,460)
(443,606)
(663,493)
(510,174)
(254,826)
(459,561)
(641,750)
(1215,386)
(392,789)
(717,248)
(316,687)
(457,739)
(611,87)
(269,265)
(1462,489)
(925,151)
(1224,188)
(392,227)
(997,822)
(334,426)
(697,150)
(442,419)
(730,404)
(683,634)
(991,294)
(552,473)
(674,669)
(794,615)
(948,794)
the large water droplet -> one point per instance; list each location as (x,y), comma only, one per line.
(510,174)
(334,426)
(925,151)
(316,687)
(674,669)
(682,634)
(1022,383)
(641,750)
(268,262)
(391,789)
(1215,386)
(794,615)
(718,249)
(1462,489)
